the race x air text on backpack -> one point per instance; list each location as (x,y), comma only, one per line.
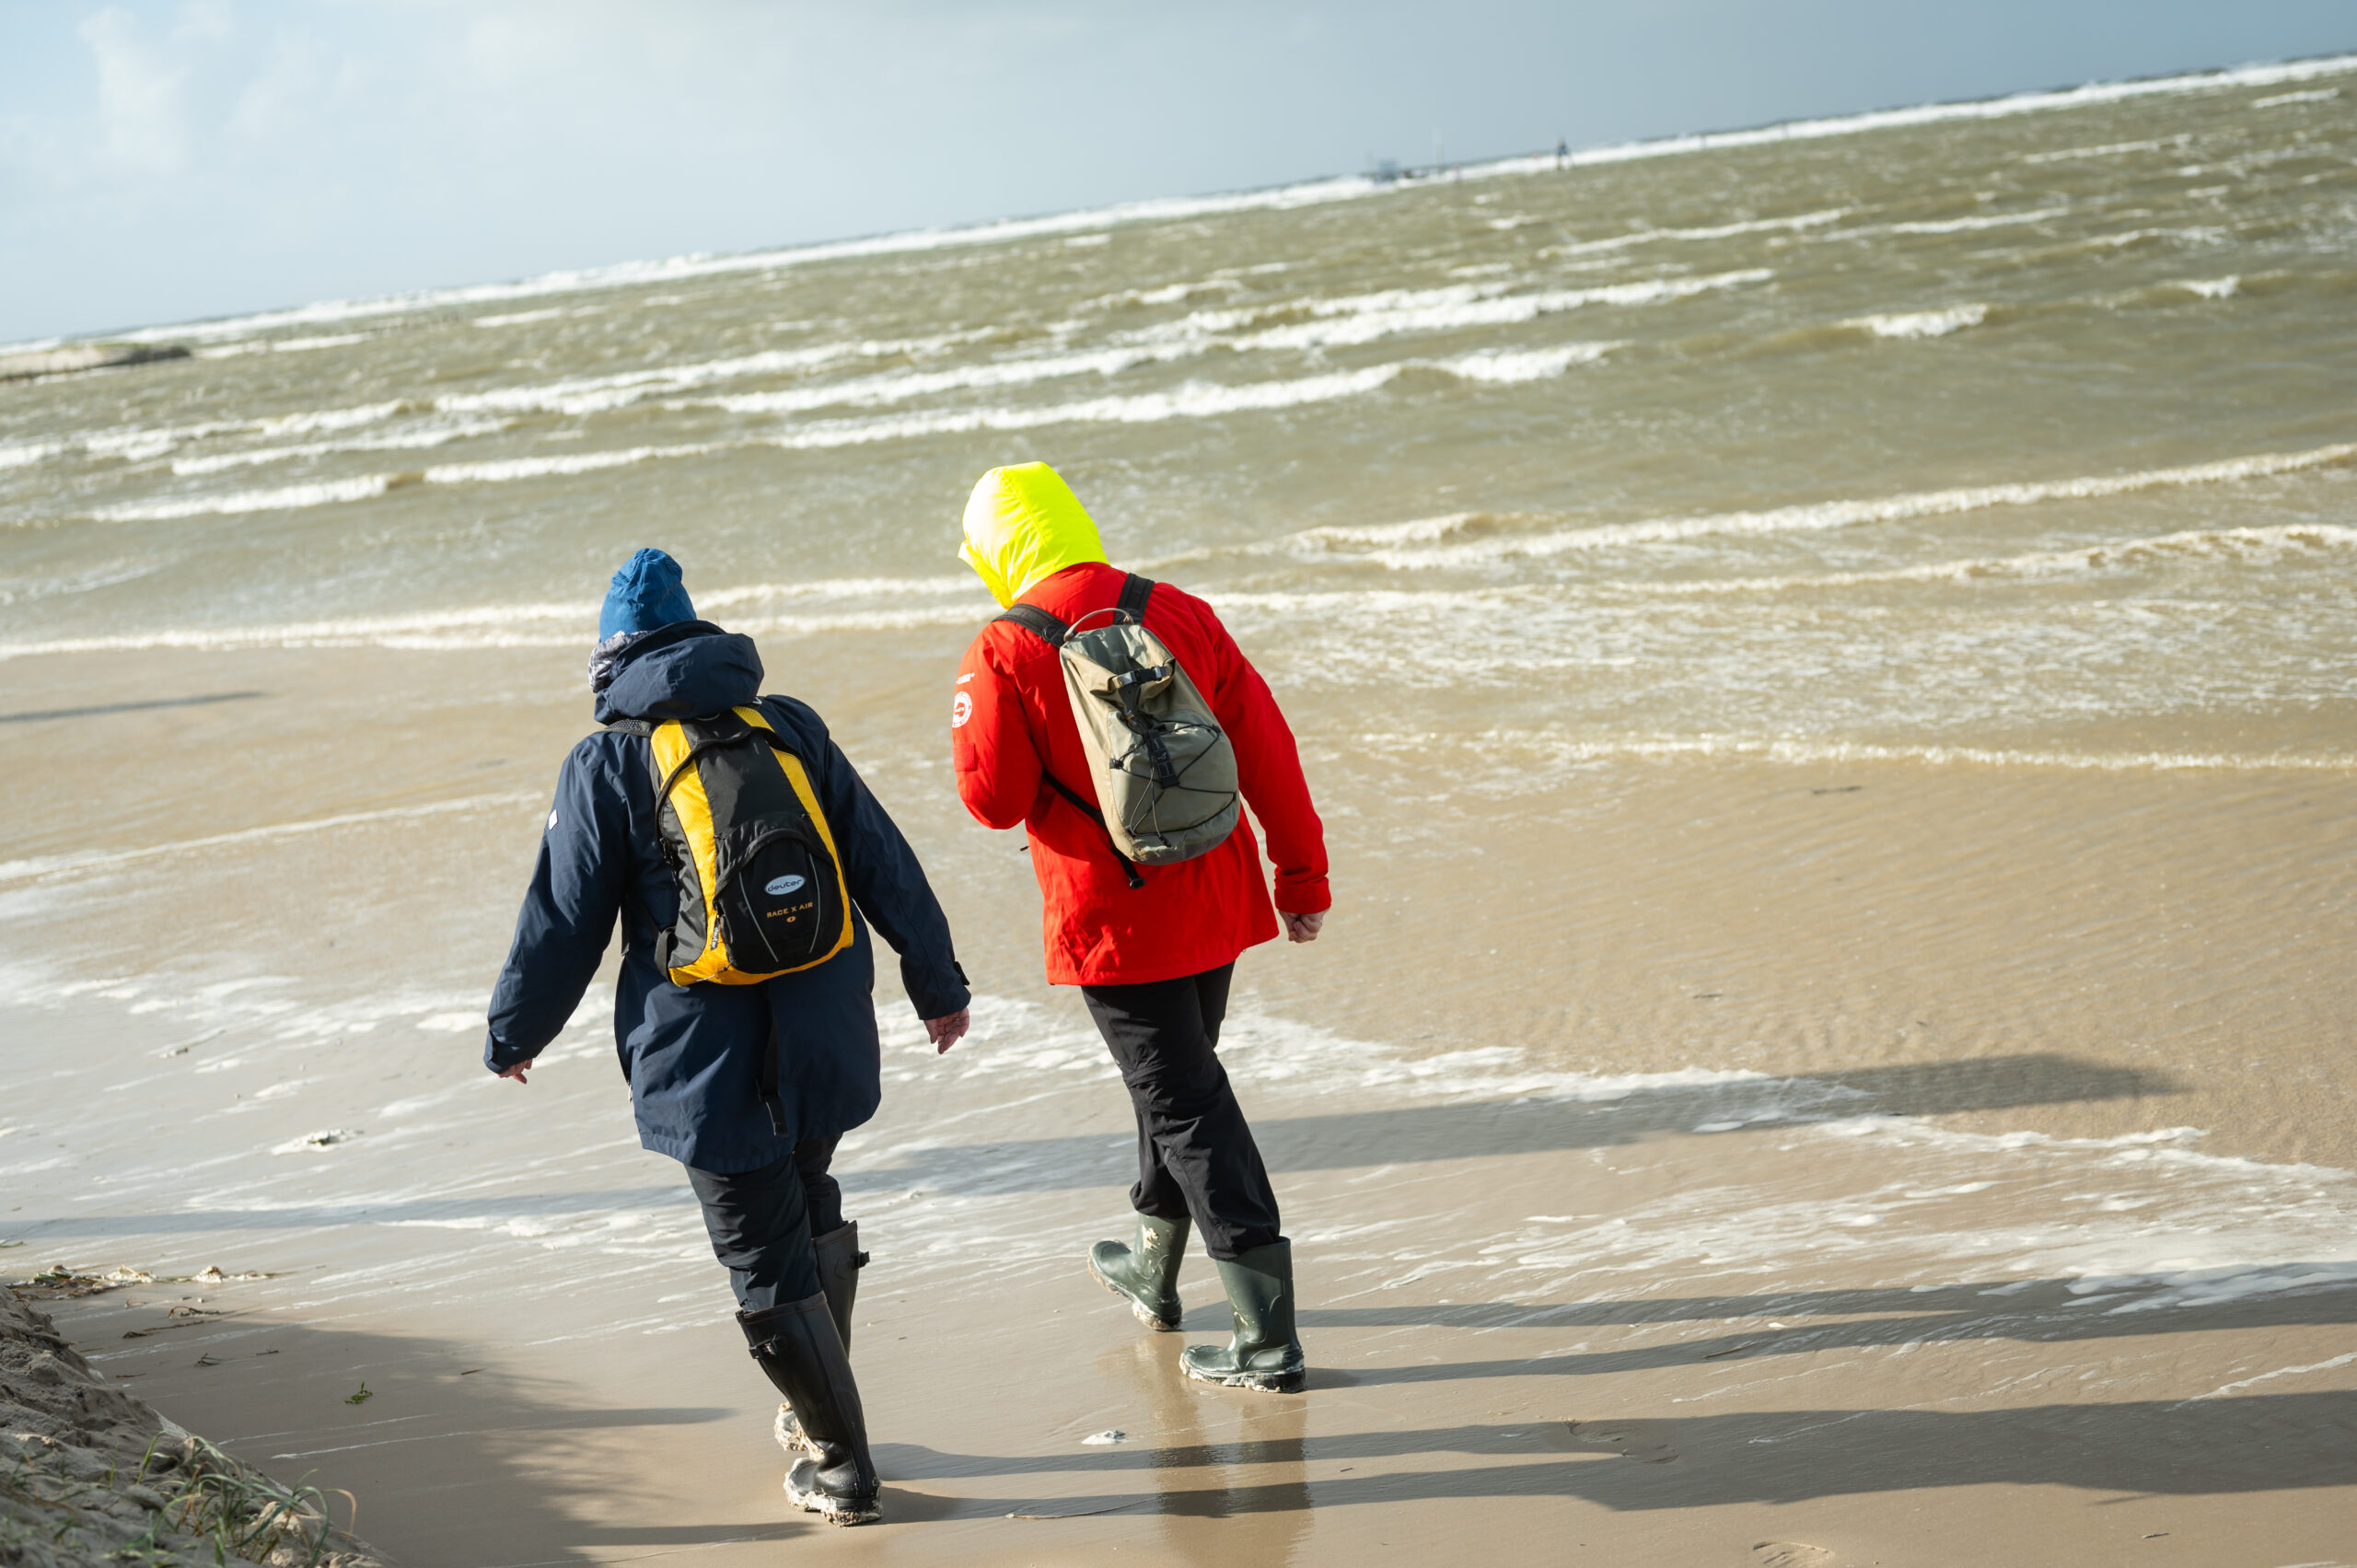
(1165,771)
(762,889)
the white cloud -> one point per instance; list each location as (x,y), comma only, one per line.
(141,93)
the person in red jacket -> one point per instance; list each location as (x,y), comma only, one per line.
(1153,948)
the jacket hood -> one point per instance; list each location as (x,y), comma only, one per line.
(682,672)
(1023,525)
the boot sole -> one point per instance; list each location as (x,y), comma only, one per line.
(1287,1382)
(833,1509)
(1138,1310)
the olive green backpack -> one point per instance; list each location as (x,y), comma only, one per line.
(1165,771)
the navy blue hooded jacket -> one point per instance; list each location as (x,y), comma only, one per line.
(693,1054)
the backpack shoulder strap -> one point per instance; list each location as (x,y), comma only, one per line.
(1135,591)
(1047,627)
(639,727)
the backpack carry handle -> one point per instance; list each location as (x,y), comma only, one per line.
(714,743)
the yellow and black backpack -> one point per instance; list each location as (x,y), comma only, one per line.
(762,889)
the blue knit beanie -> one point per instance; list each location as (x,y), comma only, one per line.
(646,593)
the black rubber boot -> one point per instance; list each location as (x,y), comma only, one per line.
(795,1344)
(1146,1272)
(840,1261)
(1264,1353)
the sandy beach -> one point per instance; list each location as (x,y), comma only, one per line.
(1825,668)
(1841,1289)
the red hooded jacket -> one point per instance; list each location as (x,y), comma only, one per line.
(1011,716)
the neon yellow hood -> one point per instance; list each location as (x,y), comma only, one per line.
(1024,524)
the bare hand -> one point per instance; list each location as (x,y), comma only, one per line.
(946,1032)
(1304,927)
(516,1072)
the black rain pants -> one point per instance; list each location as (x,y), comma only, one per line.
(1196,1156)
(761,1223)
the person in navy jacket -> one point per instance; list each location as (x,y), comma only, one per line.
(749,1087)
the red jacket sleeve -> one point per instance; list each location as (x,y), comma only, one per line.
(1269,767)
(990,740)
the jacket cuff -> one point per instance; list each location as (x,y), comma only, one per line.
(498,1058)
(935,992)
(1303,897)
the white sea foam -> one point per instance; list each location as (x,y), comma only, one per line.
(2249,545)
(103,575)
(325,493)
(902,386)
(835,589)
(1570,749)
(428,436)
(2109,149)
(490,626)
(1713,231)
(599,394)
(2212,288)
(17,453)
(1360,319)
(2342,1276)
(1509,365)
(504,469)
(1417,531)
(1823,515)
(1193,400)
(1922,324)
(2321,95)
(308,421)
(552,625)
(136,444)
(1967,225)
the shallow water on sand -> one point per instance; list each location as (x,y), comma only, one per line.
(1826,662)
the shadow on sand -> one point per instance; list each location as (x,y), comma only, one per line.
(2254,1443)
(1538,1124)
(104,709)
(448,1464)
(1342,1141)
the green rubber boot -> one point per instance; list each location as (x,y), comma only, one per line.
(1146,1272)
(1264,1353)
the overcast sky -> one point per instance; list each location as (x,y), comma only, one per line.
(160,161)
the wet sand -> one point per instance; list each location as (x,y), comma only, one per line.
(1694,1160)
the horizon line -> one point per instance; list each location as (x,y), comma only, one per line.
(1301,191)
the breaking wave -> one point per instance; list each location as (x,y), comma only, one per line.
(1194,400)
(1922,324)
(1564,749)
(561,624)
(1825,514)
(2269,544)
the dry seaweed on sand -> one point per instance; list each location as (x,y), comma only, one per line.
(90,1475)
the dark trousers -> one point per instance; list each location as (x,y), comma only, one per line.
(1196,1158)
(762,1222)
